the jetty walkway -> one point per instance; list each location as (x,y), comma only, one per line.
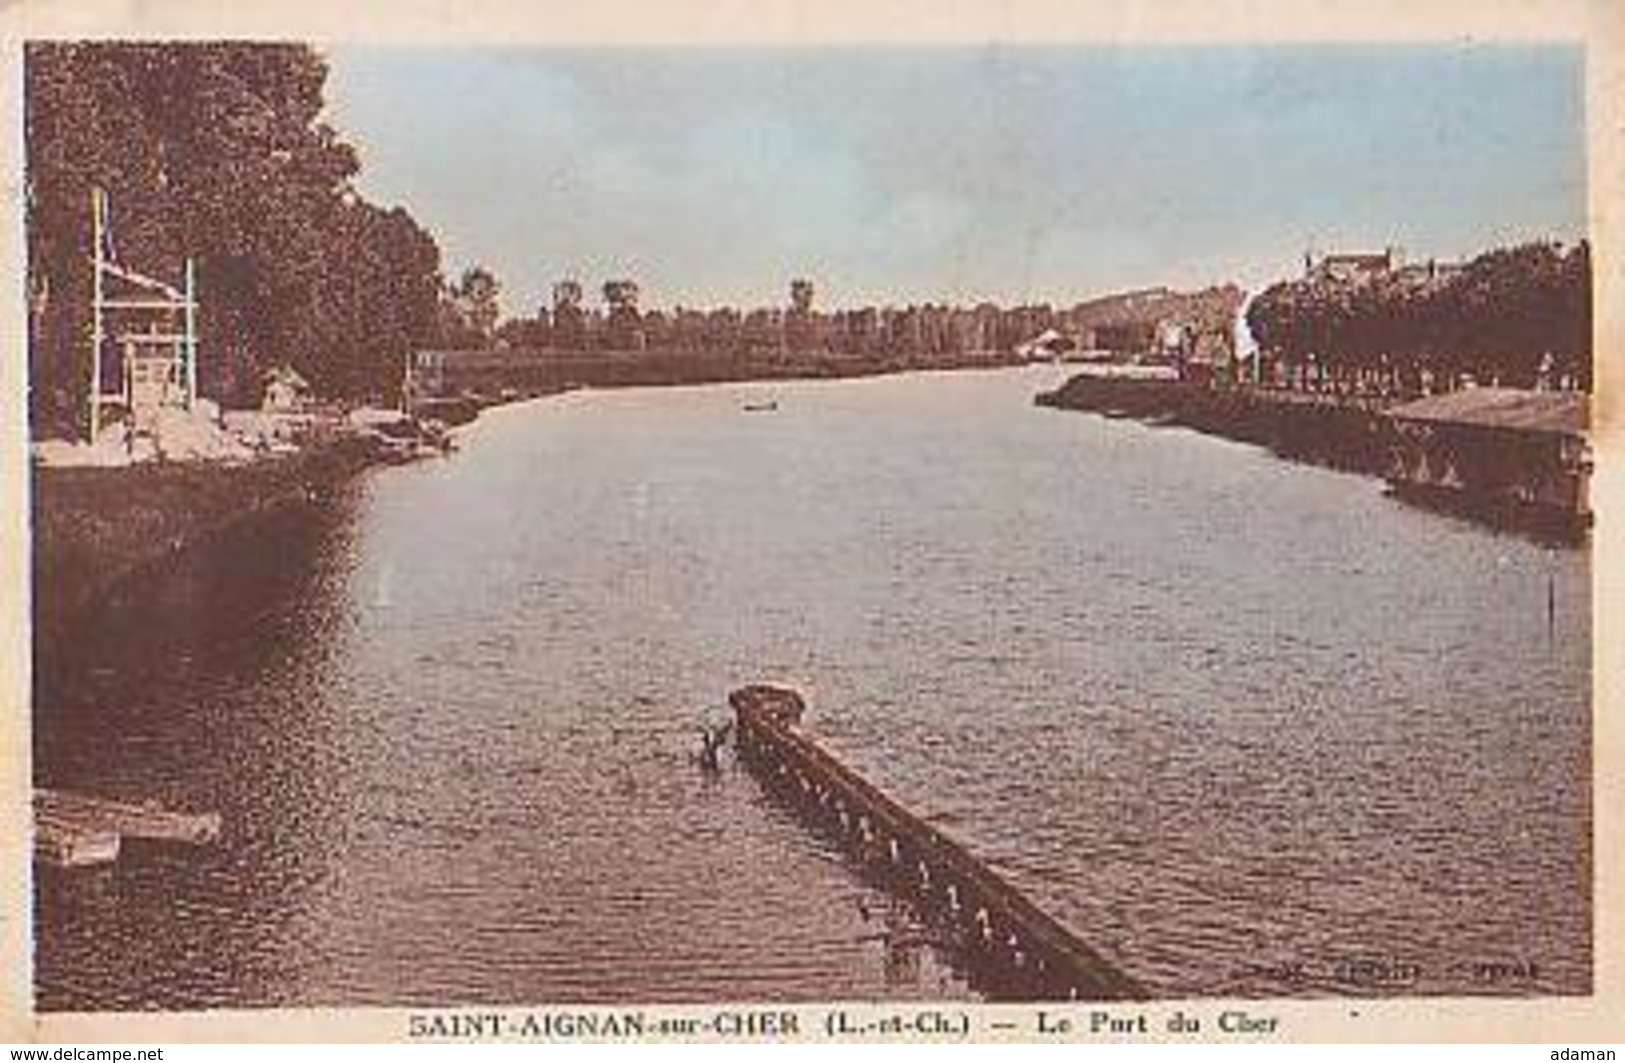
(1013,949)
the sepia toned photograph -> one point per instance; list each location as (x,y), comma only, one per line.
(591,526)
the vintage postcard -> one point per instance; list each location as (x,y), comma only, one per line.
(1043,524)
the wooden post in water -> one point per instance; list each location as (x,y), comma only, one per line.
(1551,607)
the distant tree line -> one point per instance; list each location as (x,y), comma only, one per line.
(1518,316)
(927,330)
(216,151)
(619,323)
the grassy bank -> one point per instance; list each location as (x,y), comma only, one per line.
(94,528)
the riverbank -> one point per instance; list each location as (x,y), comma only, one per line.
(94,529)
(1342,433)
(1477,472)
(449,376)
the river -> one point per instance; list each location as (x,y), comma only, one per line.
(1247,727)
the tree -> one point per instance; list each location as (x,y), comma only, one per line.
(1571,312)
(569,321)
(625,323)
(1496,319)
(214,151)
(392,270)
(801,297)
(798,323)
(621,296)
(476,294)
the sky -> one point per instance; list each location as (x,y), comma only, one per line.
(1010,173)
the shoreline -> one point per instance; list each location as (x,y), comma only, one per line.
(97,530)
(1348,434)
(453,376)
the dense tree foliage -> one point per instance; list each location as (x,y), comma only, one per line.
(215,151)
(1518,315)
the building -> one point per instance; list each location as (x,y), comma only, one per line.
(285,391)
(1425,274)
(1356,268)
(153,385)
(1207,355)
(1124,338)
(1507,448)
(490,373)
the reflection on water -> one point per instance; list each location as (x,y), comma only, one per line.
(1247,727)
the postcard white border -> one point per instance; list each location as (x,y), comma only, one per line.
(1598,25)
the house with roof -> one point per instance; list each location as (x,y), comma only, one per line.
(1350,268)
(286,391)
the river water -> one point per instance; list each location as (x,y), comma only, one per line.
(1247,727)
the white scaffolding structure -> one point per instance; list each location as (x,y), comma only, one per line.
(151,325)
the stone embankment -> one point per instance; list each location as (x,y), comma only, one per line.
(1341,432)
(96,528)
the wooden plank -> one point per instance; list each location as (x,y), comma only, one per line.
(68,812)
(62,847)
(151,338)
(143,304)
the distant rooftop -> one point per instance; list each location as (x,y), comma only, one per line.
(1380,260)
(1514,409)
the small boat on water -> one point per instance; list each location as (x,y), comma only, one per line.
(762,407)
(409,439)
